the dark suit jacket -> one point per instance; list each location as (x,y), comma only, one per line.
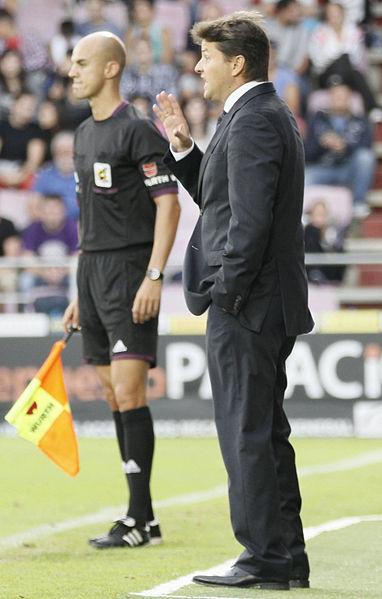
(249,186)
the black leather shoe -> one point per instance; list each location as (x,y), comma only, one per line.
(299,583)
(236,577)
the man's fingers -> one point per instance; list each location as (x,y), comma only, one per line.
(158,112)
(164,104)
(174,104)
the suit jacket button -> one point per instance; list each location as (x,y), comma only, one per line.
(201,211)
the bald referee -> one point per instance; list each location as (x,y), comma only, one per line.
(128,218)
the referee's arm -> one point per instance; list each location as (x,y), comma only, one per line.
(147,299)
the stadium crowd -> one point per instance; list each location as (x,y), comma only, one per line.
(318,65)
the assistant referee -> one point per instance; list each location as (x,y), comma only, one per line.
(128,218)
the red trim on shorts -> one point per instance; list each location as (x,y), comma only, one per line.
(121,356)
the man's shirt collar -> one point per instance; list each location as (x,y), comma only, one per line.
(240,91)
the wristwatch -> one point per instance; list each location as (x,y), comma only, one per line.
(154,274)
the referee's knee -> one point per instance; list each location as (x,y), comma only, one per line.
(129,397)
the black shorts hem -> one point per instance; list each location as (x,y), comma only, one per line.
(97,361)
(102,362)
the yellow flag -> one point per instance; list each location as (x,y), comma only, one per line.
(42,414)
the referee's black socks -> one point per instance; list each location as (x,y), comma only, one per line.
(120,435)
(138,436)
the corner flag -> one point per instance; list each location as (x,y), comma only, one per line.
(42,413)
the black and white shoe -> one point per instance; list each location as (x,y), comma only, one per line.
(124,533)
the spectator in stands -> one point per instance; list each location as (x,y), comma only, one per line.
(22,148)
(14,80)
(10,247)
(59,90)
(143,102)
(195,109)
(290,35)
(143,25)
(53,237)
(189,83)
(146,77)
(62,43)
(34,55)
(9,238)
(309,10)
(57,178)
(337,54)
(286,83)
(209,11)
(338,149)
(96,20)
(322,236)
(48,119)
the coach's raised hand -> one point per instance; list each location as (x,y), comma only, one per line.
(169,112)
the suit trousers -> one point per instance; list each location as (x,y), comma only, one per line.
(248,378)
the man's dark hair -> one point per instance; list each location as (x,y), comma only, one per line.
(239,33)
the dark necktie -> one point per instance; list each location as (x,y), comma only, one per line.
(220,118)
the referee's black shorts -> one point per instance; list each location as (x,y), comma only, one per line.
(107,283)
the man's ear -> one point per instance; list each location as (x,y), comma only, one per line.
(238,65)
(112,69)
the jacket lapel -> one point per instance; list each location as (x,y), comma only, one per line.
(264,88)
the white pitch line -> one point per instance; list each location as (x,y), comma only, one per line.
(332,525)
(165,589)
(198,597)
(364,459)
(174,585)
(109,513)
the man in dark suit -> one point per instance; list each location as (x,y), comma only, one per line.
(246,262)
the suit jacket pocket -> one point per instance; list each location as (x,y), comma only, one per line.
(263,288)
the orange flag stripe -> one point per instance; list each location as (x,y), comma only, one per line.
(60,444)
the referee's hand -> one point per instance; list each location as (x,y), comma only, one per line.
(71,316)
(147,301)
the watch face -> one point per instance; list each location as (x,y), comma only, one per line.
(154,274)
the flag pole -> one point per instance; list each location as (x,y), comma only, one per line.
(69,334)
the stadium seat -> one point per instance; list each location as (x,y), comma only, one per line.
(14,205)
(338,201)
(323,298)
(174,16)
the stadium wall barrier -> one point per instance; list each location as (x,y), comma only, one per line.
(335,385)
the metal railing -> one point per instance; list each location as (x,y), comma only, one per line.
(18,298)
(15,297)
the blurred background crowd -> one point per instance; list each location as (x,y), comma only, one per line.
(319,66)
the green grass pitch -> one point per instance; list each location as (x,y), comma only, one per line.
(346,563)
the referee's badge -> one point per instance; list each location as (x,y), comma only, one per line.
(102,174)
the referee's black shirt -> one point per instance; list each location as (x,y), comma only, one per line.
(119,170)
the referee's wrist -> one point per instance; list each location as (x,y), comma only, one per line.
(154,274)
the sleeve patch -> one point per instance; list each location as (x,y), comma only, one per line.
(150,169)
